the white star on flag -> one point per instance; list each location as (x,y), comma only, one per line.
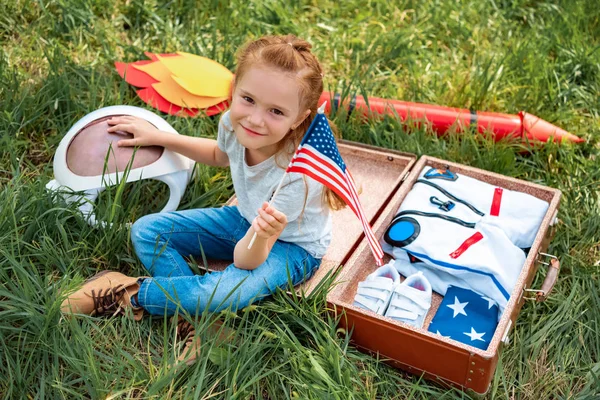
(439,333)
(458,307)
(491,303)
(475,335)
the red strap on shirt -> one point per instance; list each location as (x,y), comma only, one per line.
(495,209)
(466,244)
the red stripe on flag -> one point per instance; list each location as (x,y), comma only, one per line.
(342,190)
(495,209)
(316,170)
(311,160)
(344,195)
(361,216)
(476,237)
(373,242)
(308,151)
(314,153)
(320,176)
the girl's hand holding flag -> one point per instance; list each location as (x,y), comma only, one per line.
(269,222)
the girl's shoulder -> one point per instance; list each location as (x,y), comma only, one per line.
(226,140)
(225,122)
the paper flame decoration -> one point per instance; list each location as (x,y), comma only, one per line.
(179,83)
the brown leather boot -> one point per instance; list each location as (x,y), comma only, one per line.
(106,293)
(186,333)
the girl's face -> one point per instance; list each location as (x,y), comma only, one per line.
(265,106)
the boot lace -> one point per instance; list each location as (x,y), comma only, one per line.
(190,344)
(108,301)
(185,330)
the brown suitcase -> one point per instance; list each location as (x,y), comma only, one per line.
(387,176)
(417,350)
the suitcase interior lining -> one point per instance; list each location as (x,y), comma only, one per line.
(362,263)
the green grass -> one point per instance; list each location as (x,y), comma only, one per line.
(56,65)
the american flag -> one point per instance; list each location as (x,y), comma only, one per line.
(318,157)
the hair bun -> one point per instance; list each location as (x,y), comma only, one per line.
(296,43)
(302,46)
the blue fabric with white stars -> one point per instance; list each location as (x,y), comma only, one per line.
(320,136)
(467,317)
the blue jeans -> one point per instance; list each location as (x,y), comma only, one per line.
(162,240)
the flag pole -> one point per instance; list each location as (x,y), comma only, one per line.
(320,110)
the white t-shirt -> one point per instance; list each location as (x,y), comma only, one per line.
(309,219)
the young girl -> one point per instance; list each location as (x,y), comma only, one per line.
(276,90)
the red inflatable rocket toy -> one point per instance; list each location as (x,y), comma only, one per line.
(183,84)
(524,126)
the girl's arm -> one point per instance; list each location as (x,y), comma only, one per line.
(268,225)
(201,150)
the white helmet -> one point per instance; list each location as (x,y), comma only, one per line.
(83,163)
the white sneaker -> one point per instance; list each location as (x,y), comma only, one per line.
(375,292)
(411,300)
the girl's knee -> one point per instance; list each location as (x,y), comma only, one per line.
(143,230)
(233,301)
(234,297)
